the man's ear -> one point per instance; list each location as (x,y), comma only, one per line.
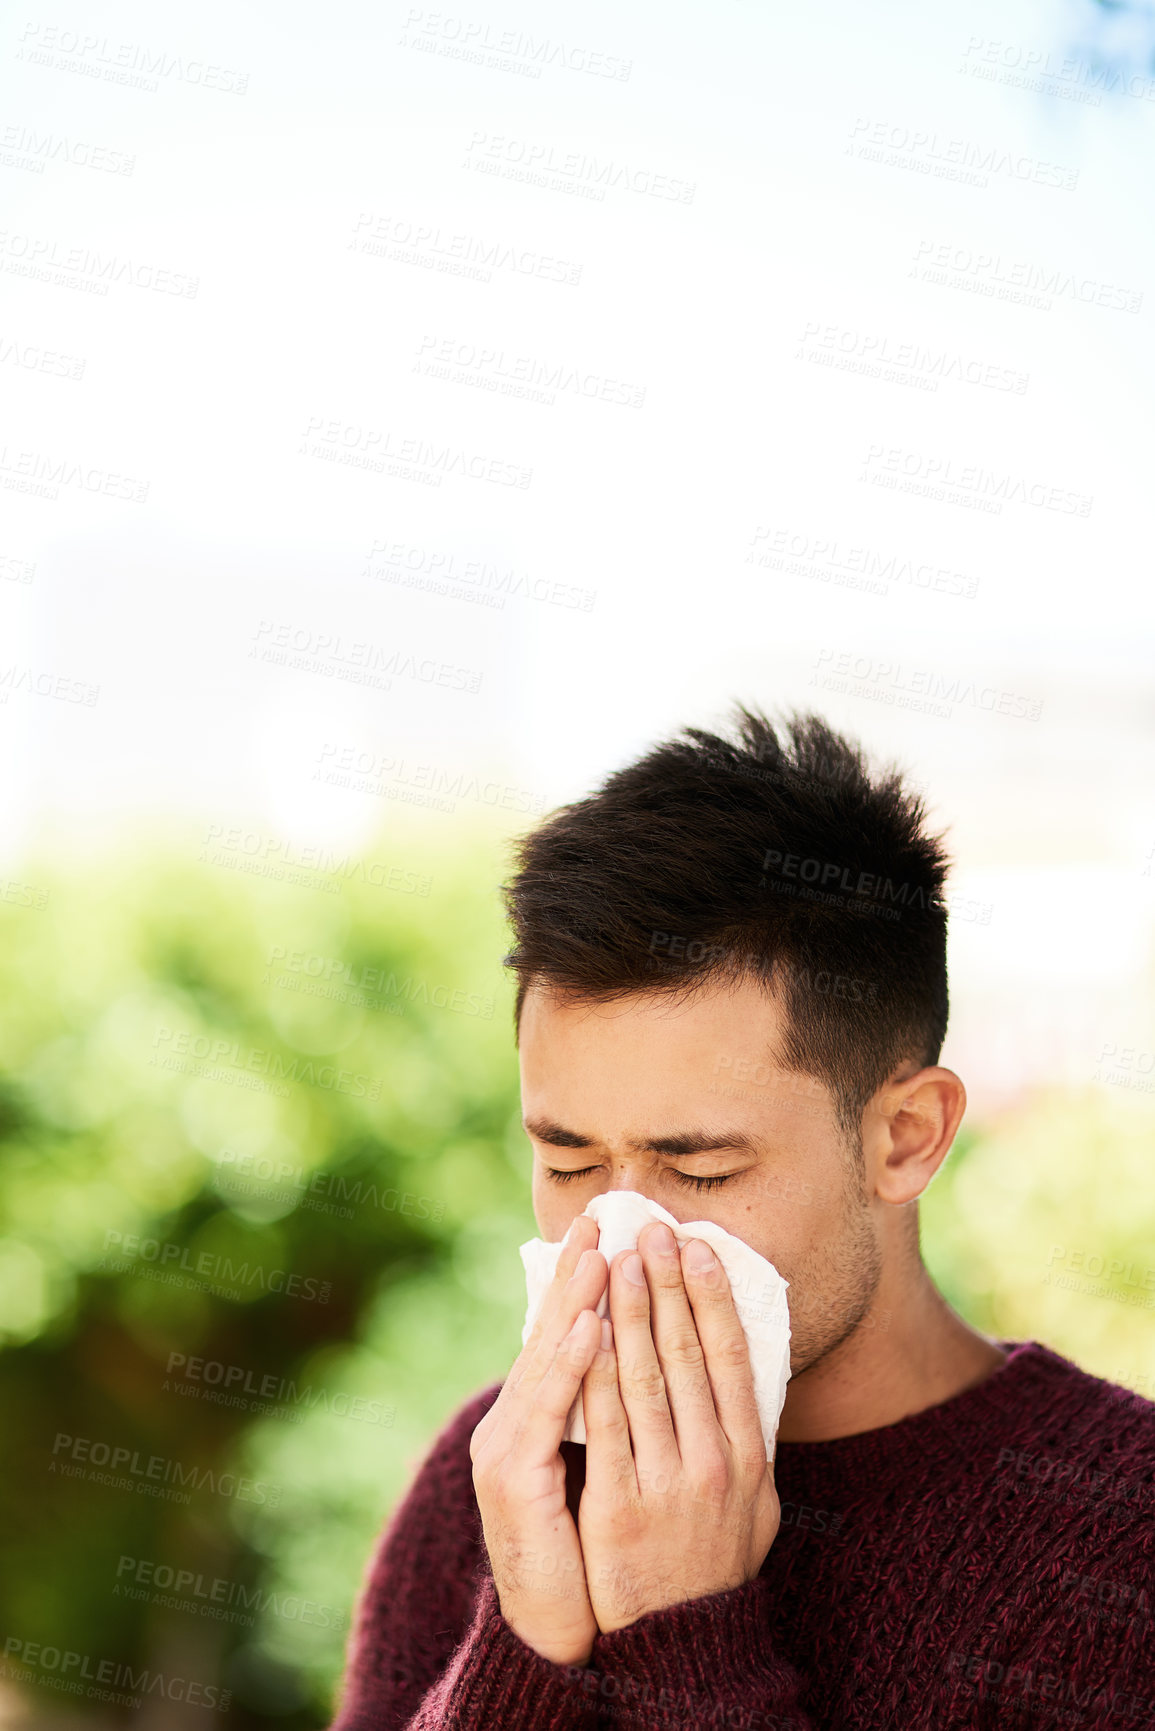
(907,1131)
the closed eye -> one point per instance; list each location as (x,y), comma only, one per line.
(686,1177)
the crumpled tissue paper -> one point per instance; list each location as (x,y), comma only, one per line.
(759,1294)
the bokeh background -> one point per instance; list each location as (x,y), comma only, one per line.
(408,417)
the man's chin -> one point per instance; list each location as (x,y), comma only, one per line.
(808,1354)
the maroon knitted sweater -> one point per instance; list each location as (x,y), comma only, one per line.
(988,1562)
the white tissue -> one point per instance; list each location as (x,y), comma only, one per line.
(759,1294)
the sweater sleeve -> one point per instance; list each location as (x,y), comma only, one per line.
(706,1661)
(430,1649)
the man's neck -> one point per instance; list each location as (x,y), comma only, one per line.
(909,1352)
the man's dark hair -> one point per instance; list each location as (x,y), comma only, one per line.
(778,858)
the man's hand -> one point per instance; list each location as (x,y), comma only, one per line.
(689,1509)
(519,1474)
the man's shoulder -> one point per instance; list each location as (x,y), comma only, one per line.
(1082,1439)
(469,1415)
(1077,1401)
(440,1491)
(450,1446)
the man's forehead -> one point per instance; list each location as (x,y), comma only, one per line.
(649,1057)
(641,1066)
(743,1015)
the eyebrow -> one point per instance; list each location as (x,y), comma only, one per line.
(682,1142)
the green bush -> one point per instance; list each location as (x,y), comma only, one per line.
(302,1101)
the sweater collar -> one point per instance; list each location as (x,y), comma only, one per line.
(977,1416)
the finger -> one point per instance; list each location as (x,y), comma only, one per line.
(581,1236)
(539,1424)
(675,1334)
(581,1291)
(640,1379)
(610,1470)
(727,1356)
(566,1298)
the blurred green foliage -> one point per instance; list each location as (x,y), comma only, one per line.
(1042,1226)
(262,1080)
(258,1080)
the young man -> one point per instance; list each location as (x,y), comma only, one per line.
(732,995)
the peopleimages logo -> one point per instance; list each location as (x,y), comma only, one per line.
(256,1175)
(68,1670)
(216,1271)
(828,873)
(217,1597)
(479,41)
(153,1472)
(136,64)
(247,1389)
(232,1054)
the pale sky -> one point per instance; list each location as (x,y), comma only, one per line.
(771,354)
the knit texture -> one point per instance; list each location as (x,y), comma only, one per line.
(988,1562)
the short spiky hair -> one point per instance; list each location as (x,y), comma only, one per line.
(779,859)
